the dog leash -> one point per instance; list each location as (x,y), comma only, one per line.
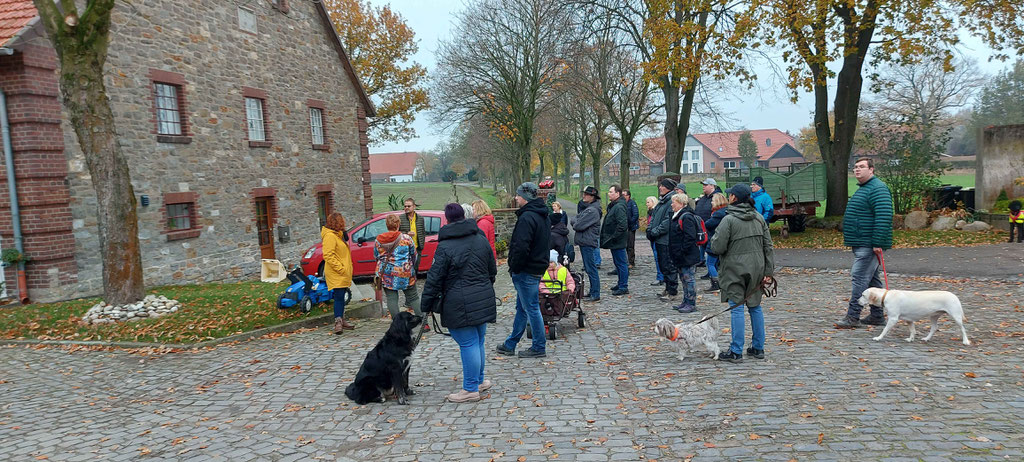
(881,261)
(768,289)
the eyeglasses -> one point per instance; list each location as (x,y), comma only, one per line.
(408,206)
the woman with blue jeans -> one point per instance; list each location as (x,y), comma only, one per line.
(718,212)
(743,243)
(460,287)
(652,201)
(337,267)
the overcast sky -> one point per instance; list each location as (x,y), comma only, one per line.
(767,106)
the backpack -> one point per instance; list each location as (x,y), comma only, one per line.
(702,232)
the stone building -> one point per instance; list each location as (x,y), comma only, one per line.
(243,123)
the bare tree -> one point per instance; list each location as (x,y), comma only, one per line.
(81,45)
(926,93)
(503,61)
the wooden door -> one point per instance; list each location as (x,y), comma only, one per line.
(264,229)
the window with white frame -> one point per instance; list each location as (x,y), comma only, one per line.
(685,168)
(729,164)
(316,124)
(254,119)
(695,154)
(168,114)
(695,168)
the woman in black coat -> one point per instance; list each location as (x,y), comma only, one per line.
(460,286)
(559,235)
(683,249)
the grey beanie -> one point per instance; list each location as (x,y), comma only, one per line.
(527,191)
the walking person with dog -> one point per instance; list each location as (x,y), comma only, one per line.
(527,259)
(614,232)
(395,253)
(587,224)
(337,267)
(684,249)
(460,287)
(744,244)
(867,230)
(657,232)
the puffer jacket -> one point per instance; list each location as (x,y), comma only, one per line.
(460,283)
(337,259)
(744,244)
(868,218)
(615,228)
(763,204)
(712,223)
(657,231)
(421,233)
(531,239)
(395,253)
(587,224)
(486,224)
(702,207)
(682,239)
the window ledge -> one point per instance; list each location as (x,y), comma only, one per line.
(260,144)
(178,139)
(182,234)
(322,147)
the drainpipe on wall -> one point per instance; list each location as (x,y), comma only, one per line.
(12,188)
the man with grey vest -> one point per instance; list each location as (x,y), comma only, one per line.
(657,232)
(587,224)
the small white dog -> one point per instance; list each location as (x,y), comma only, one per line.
(913,306)
(690,336)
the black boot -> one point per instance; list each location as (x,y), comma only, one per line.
(714,287)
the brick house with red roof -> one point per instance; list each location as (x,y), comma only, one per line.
(242,125)
(714,152)
(395,167)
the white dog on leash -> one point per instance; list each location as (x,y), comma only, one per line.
(690,336)
(913,306)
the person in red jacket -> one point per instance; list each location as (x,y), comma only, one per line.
(485,221)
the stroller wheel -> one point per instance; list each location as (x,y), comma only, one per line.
(553,331)
(579,320)
(306,305)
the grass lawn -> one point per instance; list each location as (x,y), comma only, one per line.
(429,196)
(208,311)
(901,238)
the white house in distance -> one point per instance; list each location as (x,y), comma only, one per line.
(394,167)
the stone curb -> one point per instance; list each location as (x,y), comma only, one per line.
(370,309)
(813,269)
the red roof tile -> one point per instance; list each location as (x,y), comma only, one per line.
(725,144)
(14,16)
(653,148)
(393,163)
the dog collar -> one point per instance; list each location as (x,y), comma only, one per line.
(883,297)
(675,334)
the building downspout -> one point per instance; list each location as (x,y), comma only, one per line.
(12,188)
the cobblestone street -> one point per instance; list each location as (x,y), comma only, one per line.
(611,391)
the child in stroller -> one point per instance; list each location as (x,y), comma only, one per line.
(560,293)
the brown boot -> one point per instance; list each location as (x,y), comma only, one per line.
(339,326)
(346,325)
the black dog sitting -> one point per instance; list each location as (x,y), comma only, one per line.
(386,367)
(1016,221)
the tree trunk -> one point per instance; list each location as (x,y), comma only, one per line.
(625,156)
(673,145)
(566,157)
(595,158)
(84,95)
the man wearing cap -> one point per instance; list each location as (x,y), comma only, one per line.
(702,208)
(762,201)
(657,232)
(867,229)
(614,231)
(527,259)
(587,224)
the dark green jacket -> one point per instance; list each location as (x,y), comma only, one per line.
(744,245)
(615,228)
(868,218)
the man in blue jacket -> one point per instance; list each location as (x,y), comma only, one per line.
(762,201)
(527,259)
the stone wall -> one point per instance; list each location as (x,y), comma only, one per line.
(504,223)
(293,60)
(1000,160)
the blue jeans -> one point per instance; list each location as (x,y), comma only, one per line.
(864,274)
(527,308)
(756,325)
(339,301)
(621,267)
(703,249)
(657,267)
(471,348)
(590,266)
(597,258)
(712,265)
(689,283)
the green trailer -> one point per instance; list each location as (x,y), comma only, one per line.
(796,189)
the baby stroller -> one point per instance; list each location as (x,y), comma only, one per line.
(555,306)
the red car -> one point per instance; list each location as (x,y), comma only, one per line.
(360,243)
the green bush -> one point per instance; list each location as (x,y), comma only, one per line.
(396,202)
(501,246)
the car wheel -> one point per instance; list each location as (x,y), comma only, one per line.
(320,270)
